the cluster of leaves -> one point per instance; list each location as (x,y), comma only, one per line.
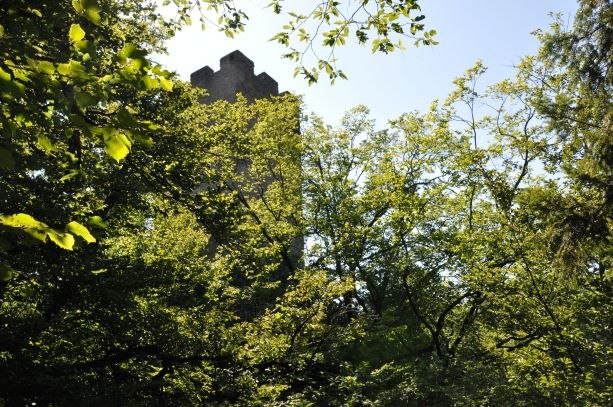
(69,72)
(479,234)
(382,24)
(78,85)
(312,32)
(479,249)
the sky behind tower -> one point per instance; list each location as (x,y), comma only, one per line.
(495,31)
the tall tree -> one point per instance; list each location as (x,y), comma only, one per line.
(152,311)
(477,235)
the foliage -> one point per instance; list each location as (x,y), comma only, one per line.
(184,264)
(212,255)
(311,32)
(71,75)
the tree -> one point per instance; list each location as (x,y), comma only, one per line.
(475,261)
(64,99)
(575,80)
(151,312)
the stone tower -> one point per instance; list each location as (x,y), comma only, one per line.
(235,75)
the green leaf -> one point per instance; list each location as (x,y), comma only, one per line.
(20,220)
(125,118)
(92,12)
(85,99)
(63,240)
(76,33)
(63,69)
(78,121)
(97,222)
(89,8)
(150,125)
(76,67)
(46,67)
(131,51)
(73,68)
(150,83)
(77,229)
(76,4)
(9,85)
(5,76)
(136,64)
(84,46)
(165,84)
(27,223)
(71,174)
(6,159)
(45,144)
(143,139)
(116,145)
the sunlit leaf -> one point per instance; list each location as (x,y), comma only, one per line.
(150,83)
(62,239)
(46,67)
(5,76)
(45,144)
(79,230)
(143,139)
(132,51)
(76,33)
(97,222)
(76,4)
(27,223)
(117,145)
(71,174)
(166,84)
(93,14)
(63,69)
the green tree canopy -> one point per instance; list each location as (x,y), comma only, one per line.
(150,245)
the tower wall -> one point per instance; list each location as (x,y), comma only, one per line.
(236,75)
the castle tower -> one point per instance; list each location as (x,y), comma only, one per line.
(235,75)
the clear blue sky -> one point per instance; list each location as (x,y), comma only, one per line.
(495,31)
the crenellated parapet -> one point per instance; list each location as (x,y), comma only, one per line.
(235,75)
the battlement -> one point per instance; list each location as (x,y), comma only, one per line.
(236,60)
(235,75)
